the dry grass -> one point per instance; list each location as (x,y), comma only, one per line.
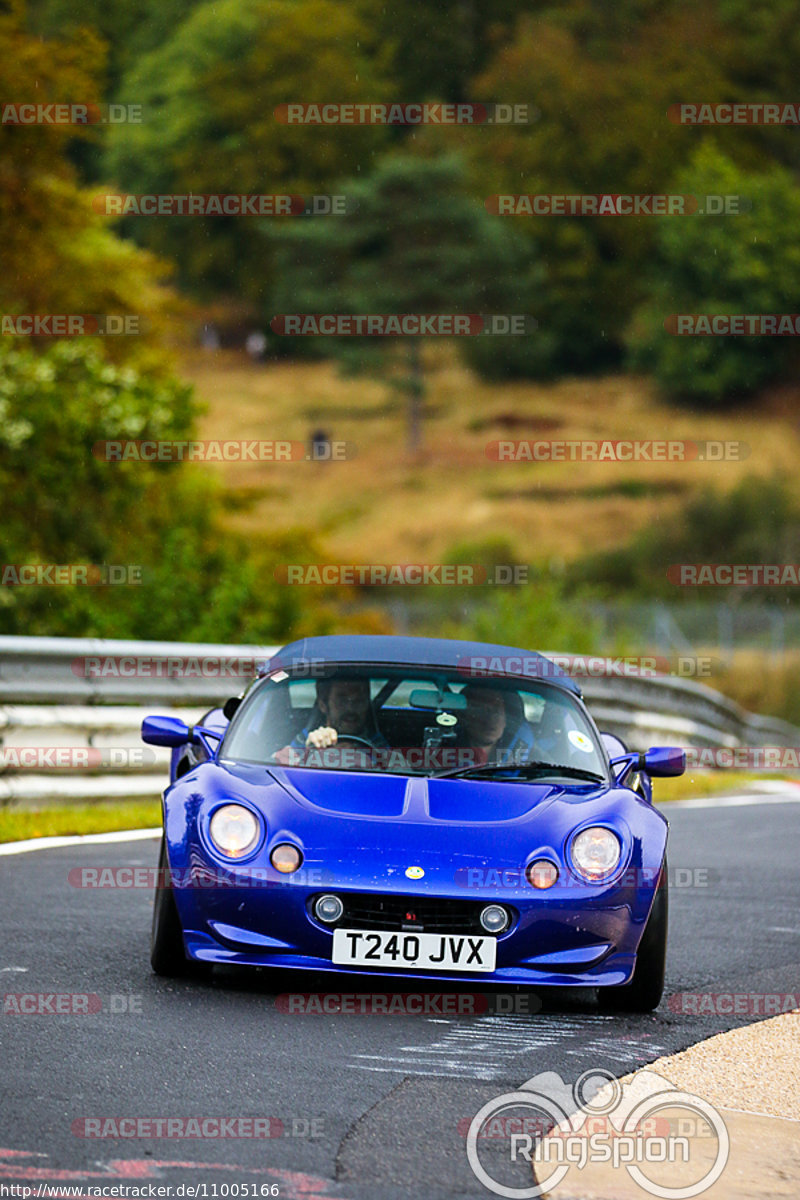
(762,684)
(382,507)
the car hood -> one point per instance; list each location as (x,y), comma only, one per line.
(412,798)
(365,829)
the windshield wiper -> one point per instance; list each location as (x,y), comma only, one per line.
(528,770)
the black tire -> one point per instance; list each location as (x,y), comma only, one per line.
(646,988)
(167,955)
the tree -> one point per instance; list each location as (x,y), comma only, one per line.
(129,29)
(602,82)
(745,263)
(438,46)
(415,243)
(211,128)
(59,256)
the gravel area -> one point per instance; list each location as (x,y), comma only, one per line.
(753,1069)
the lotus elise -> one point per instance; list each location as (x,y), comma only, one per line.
(414,808)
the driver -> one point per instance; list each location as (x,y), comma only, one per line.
(345,705)
(345,710)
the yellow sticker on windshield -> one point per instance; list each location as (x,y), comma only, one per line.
(580,741)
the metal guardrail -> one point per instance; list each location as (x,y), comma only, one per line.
(56,670)
(48,698)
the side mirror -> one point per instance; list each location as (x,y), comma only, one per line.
(165,731)
(663,761)
(230,706)
(172,731)
(658,761)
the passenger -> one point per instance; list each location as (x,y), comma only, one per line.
(486,729)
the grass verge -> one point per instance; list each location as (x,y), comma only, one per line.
(708,783)
(69,820)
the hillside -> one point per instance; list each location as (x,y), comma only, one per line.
(381,507)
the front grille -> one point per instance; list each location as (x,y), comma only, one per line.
(429,914)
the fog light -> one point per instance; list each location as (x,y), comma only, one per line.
(541,873)
(494,918)
(286,858)
(328,909)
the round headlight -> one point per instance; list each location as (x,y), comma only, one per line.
(541,873)
(494,918)
(596,852)
(286,858)
(328,909)
(234,830)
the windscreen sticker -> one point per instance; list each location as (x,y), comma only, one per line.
(580,741)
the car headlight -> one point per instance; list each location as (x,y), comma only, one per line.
(234,830)
(596,852)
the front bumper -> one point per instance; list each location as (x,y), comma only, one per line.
(588,938)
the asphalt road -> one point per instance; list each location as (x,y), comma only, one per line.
(361,1106)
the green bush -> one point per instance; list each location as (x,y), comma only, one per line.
(756,522)
(63,504)
(743,263)
(540,615)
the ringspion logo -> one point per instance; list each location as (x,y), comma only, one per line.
(672,1144)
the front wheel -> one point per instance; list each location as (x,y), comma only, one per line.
(167,955)
(646,988)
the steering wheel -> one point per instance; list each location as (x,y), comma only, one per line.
(352,737)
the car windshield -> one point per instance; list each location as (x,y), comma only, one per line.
(416,721)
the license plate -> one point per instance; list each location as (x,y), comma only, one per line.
(413,951)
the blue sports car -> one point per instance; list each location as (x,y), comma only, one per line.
(414,807)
